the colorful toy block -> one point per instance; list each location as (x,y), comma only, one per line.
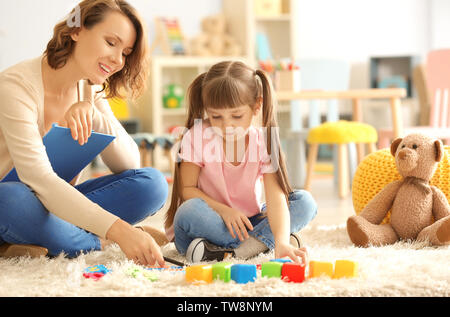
(271,269)
(317,269)
(222,271)
(199,274)
(345,268)
(293,272)
(243,273)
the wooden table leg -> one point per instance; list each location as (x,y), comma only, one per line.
(397,122)
(358,117)
(343,170)
(312,157)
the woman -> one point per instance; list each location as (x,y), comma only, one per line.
(107,48)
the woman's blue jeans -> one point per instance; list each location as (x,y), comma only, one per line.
(195,219)
(132,195)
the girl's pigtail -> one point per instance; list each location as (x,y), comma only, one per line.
(195,111)
(270,125)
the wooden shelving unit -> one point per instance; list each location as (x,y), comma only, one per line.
(243,25)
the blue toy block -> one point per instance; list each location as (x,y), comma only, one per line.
(243,273)
(281,260)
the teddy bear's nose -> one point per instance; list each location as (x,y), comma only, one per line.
(402,155)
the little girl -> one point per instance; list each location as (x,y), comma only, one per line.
(215,210)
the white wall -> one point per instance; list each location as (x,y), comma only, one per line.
(26,26)
(440,24)
(347,29)
(357,29)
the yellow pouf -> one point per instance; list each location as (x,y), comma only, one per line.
(378,169)
(342,132)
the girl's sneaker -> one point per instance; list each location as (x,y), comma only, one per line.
(295,240)
(201,250)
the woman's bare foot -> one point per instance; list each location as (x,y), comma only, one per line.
(104,243)
(157,235)
(12,250)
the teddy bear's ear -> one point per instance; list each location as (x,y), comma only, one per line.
(439,150)
(395,145)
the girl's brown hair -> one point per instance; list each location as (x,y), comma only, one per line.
(231,84)
(133,76)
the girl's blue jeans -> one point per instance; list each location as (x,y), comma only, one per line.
(132,195)
(195,219)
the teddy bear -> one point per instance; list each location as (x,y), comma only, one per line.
(213,40)
(419,211)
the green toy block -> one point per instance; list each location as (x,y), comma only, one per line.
(222,271)
(271,269)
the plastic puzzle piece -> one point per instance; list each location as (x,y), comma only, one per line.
(222,271)
(281,260)
(97,269)
(317,269)
(140,273)
(345,268)
(199,274)
(95,276)
(271,269)
(243,273)
(293,272)
(173,269)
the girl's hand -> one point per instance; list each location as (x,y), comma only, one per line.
(137,245)
(237,222)
(295,254)
(79,119)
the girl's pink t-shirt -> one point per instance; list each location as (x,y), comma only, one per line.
(238,187)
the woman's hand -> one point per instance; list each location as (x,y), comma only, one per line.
(282,250)
(137,245)
(237,222)
(79,119)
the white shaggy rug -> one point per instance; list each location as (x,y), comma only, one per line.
(403,269)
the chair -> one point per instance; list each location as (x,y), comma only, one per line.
(437,79)
(316,74)
(341,133)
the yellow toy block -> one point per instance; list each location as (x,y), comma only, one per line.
(199,274)
(345,268)
(317,269)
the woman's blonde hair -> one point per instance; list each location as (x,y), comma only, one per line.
(231,84)
(133,76)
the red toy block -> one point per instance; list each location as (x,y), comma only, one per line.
(293,272)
